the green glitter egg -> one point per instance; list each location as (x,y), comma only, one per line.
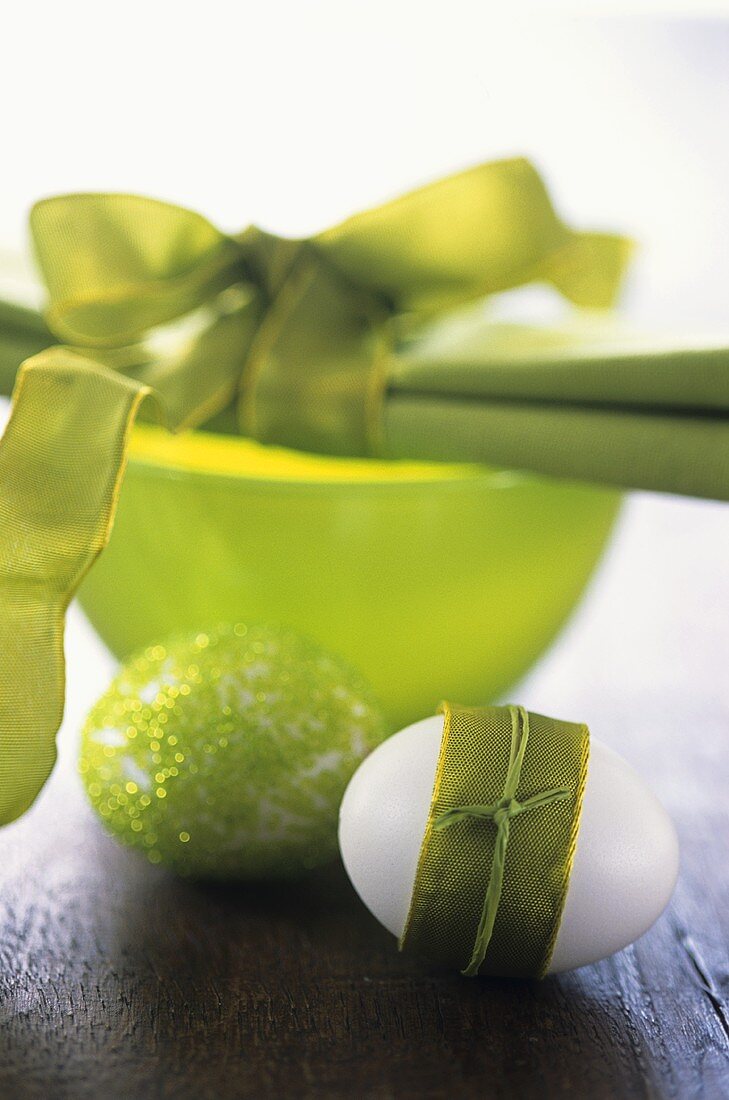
(225,754)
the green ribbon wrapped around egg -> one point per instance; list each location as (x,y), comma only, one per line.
(500,839)
(347,342)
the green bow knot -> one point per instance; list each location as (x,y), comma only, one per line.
(499,812)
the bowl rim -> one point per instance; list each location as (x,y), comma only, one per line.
(213,456)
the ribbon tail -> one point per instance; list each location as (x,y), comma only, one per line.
(62,460)
(491,902)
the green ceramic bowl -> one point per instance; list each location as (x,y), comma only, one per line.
(434,581)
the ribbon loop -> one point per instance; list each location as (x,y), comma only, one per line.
(484,230)
(118,265)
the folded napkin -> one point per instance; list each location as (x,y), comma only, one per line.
(591,402)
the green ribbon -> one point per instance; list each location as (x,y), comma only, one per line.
(525,774)
(501,813)
(61,466)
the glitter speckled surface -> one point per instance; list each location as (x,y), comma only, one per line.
(226,753)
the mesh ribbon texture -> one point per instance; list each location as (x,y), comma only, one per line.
(499,843)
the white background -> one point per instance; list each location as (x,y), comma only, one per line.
(296,114)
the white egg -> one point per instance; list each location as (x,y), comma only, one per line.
(625,866)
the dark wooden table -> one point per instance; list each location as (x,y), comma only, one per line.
(119,981)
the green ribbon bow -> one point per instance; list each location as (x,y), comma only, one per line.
(355,342)
(293,338)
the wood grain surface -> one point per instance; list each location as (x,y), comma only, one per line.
(117,980)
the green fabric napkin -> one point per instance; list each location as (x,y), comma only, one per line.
(591,402)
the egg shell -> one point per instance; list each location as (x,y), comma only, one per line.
(224,753)
(625,865)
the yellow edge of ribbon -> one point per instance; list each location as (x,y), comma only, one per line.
(445,710)
(570,860)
